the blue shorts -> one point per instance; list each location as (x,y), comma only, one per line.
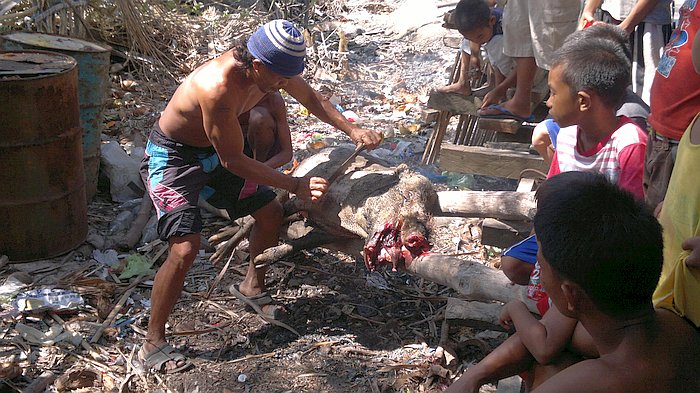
(525,250)
(177,175)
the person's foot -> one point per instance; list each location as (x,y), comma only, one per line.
(457,88)
(162,357)
(260,297)
(506,109)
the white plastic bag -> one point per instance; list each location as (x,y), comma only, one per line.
(122,170)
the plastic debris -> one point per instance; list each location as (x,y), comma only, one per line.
(108,257)
(47,299)
(13,284)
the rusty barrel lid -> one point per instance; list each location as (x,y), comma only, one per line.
(56,42)
(33,64)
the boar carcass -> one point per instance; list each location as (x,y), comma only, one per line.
(388,208)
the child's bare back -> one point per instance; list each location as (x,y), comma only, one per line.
(658,354)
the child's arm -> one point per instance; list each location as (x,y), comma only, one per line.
(544,338)
(499,91)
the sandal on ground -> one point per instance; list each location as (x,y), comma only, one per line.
(273,310)
(157,359)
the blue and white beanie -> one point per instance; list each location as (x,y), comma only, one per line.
(280,46)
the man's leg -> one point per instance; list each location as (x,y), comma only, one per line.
(265,234)
(167,286)
(525,69)
(262,133)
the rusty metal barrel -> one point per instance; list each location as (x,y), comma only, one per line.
(93,84)
(43,211)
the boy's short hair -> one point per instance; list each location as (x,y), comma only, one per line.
(471,14)
(605,31)
(596,65)
(600,237)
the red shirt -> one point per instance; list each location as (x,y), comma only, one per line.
(675,92)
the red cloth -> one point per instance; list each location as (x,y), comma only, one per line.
(675,92)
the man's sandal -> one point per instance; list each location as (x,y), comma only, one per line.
(157,359)
(273,310)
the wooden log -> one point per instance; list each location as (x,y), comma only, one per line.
(484,161)
(479,315)
(504,205)
(471,279)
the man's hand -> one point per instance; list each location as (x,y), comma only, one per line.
(371,139)
(693,245)
(310,188)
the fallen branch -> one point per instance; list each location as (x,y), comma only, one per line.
(230,244)
(134,234)
(117,307)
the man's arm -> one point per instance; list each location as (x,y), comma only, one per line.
(283,134)
(544,338)
(220,120)
(324,110)
(640,11)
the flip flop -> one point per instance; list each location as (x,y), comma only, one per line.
(157,358)
(503,113)
(274,311)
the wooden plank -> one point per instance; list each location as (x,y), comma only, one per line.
(503,234)
(453,103)
(432,147)
(509,126)
(485,161)
(515,146)
(526,184)
(504,205)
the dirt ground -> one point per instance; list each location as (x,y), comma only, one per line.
(360,332)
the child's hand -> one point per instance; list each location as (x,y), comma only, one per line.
(693,245)
(505,319)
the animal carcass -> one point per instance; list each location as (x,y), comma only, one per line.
(390,209)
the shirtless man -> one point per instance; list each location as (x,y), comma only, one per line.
(197,146)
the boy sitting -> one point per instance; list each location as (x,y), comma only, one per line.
(481,26)
(587,82)
(600,252)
